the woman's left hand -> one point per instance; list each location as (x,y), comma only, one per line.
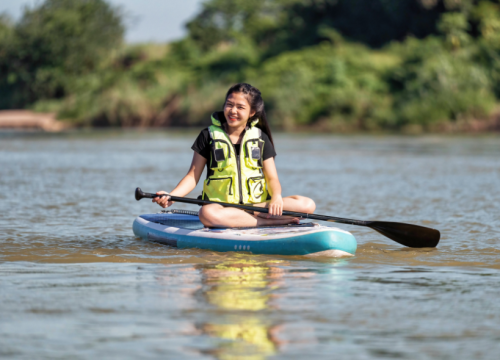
(275,206)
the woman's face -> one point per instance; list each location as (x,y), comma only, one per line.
(237,110)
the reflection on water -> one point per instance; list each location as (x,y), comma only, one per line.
(246,309)
(76,283)
(244,287)
(246,292)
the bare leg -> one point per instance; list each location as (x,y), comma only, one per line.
(215,215)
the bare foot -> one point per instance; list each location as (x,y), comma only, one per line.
(271,217)
(280,220)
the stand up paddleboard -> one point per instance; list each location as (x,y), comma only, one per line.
(183,229)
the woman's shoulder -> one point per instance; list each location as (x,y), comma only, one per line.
(202,143)
(264,137)
(204,131)
(269,150)
(204,134)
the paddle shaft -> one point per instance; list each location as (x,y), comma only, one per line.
(260,209)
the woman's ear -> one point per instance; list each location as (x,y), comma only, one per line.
(252,114)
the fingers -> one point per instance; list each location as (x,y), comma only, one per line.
(163,201)
(275,209)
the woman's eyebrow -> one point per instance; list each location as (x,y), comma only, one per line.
(239,104)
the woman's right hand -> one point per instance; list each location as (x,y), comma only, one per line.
(163,201)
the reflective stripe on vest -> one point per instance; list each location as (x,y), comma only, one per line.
(235,179)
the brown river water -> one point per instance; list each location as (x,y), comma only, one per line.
(75,283)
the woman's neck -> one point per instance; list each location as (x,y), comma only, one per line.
(235,134)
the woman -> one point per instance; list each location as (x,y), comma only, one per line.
(238,150)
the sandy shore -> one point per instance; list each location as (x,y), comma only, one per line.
(25,119)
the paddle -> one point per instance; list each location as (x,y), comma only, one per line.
(414,236)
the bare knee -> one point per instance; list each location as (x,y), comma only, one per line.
(206,216)
(209,215)
(308,205)
(304,204)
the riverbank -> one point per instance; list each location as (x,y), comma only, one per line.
(29,120)
(25,119)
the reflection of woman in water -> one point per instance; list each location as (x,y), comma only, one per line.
(243,286)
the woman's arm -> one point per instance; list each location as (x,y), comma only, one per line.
(274,186)
(187,184)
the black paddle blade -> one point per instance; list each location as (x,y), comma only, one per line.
(407,234)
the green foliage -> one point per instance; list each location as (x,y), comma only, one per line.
(433,86)
(138,90)
(228,61)
(5,27)
(54,43)
(340,87)
(335,87)
(332,65)
(455,26)
(487,17)
(231,20)
(280,25)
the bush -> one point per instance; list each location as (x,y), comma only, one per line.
(339,87)
(435,85)
(66,56)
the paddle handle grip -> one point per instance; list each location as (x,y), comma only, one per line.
(139,194)
(151,196)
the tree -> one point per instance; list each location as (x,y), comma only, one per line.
(282,25)
(52,45)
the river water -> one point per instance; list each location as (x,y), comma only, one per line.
(76,283)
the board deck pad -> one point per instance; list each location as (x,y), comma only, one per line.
(175,220)
(194,223)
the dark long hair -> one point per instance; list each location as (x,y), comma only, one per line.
(254,98)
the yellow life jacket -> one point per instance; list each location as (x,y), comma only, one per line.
(235,179)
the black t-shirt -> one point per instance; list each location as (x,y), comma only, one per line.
(202,145)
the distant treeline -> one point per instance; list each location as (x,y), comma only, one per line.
(330,65)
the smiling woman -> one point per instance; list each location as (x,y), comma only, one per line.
(238,151)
